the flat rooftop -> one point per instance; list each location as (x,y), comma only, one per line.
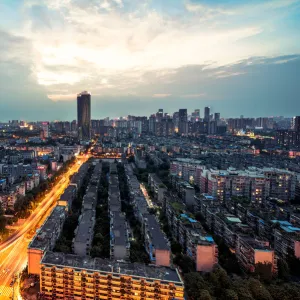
(85,226)
(119,229)
(159,240)
(69,193)
(62,260)
(45,233)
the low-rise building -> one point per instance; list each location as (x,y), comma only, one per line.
(156,244)
(66,199)
(45,238)
(84,232)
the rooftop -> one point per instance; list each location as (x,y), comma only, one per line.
(159,240)
(111,266)
(43,237)
(85,227)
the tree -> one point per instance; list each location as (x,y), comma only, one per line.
(258,290)
(230,295)
(195,284)
(283,269)
(186,264)
(176,248)
(205,295)
(2,223)
(264,271)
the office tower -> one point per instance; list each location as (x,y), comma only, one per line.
(159,114)
(183,124)
(195,115)
(73,126)
(45,130)
(84,116)
(152,121)
(206,113)
(217,117)
(296,124)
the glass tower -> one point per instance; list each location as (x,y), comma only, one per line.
(84,116)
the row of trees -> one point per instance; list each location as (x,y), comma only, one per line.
(101,245)
(2,222)
(137,250)
(218,285)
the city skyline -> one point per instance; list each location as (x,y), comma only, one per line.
(236,57)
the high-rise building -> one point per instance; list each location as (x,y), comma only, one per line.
(84,116)
(195,115)
(74,125)
(152,123)
(206,113)
(45,133)
(296,124)
(183,124)
(217,117)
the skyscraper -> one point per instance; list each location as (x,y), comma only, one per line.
(296,124)
(183,124)
(217,117)
(84,116)
(45,133)
(206,113)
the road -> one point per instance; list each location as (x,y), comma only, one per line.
(13,252)
(147,197)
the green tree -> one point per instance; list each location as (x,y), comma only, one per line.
(230,295)
(194,284)
(205,295)
(258,291)
(264,271)
(283,269)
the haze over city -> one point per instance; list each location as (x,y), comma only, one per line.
(238,57)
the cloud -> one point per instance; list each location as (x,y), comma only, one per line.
(62,97)
(193,95)
(161,95)
(118,48)
(206,10)
(83,41)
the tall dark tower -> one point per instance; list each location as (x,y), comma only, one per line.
(84,116)
(183,121)
(207,114)
(296,124)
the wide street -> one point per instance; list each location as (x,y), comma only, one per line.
(13,252)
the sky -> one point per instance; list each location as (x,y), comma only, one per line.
(136,56)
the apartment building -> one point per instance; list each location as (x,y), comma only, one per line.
(156,243)
(77,178)
(185,191)
(251,251)
(240,237)
(90,198)
(190,234)
(282,183)
(45,238)
(287,240)
(84,232)
(157,187)
(187,169)
(253,183)
(202,249)
(66,199)
(66,276)
(119,237)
